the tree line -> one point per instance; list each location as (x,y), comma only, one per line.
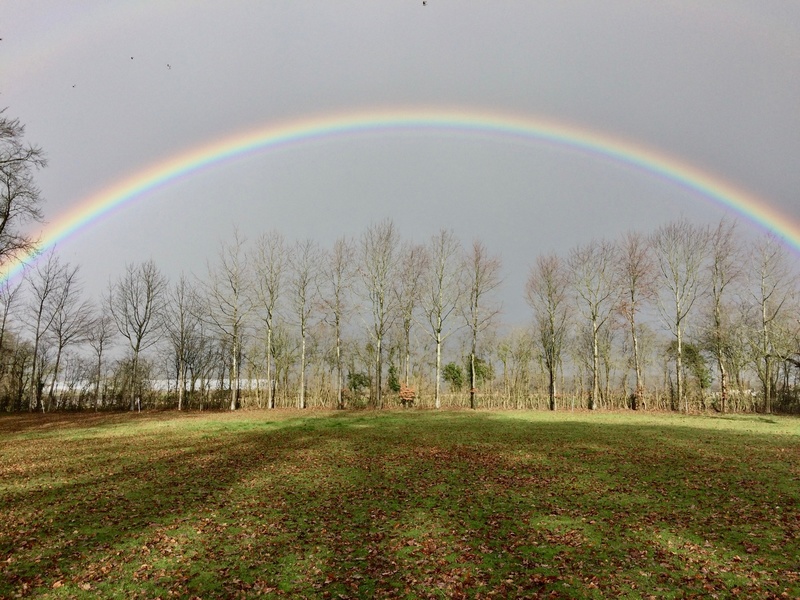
(686,318)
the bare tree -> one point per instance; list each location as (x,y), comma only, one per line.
(304,262)
(137,303)
(773,284)
(182,325)
(724,269)
(547,292)
(19,197)
(338,270)
(408,290)
(100,337)
(71,320)
(679,249)
(378,270)
(443,293)
(228,297)
(592,269)
(270,263)
(8,297)
(45,281)
(636,276)
(482,273)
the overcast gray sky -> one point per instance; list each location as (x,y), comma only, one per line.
(109,88)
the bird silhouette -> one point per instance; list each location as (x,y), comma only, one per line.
(169,66)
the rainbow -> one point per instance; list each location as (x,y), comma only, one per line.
(373,122)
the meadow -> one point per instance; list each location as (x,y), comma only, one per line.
(399,504)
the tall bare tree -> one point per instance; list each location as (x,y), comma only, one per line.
(228,297)
(71,320)
(724,269)
(136,302)
(304,261)
(9,292)
(482,274)
(336,281)
(270,264)
(444,290)
(592,267)
(547,292)
(773,285)
(378,269)
(100,337)
(636,276)
(182,326)
(20,200)
(45,280)
(409,285)
(680,249)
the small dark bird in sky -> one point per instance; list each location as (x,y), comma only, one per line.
(169,66)
(131,58)
(424,2)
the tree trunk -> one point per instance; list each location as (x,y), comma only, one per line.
(639,392)
(339,374)
(234,376)
(271,394)
(595,368)
(301,401)
(437,399)
(378,374)
(472,377)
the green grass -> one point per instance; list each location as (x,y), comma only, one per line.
(407,504)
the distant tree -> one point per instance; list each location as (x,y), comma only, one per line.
(408,289)
(636,277)
(46,280)
(71,321)
(773,285)
(378,271)
(8,296)
(228,299)
(592,267)
(270,266)
(453,374)
(20,200)
(337,278)
(478,370)
(100,336)
(724,269)
(679,249)
(304,261)
(182,327)
(137,303)
(482,275)
(356,382)
(694,362)
(443,293)
(393,383)
(547,292)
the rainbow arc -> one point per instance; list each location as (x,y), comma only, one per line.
(383,121)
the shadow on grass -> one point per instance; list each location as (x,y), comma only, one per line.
(399,504)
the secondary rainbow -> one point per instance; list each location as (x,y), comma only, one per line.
(374,122)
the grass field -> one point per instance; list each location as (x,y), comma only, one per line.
(410,504)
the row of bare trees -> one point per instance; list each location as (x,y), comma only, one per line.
(721,301)
(262,316)
(644,320)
